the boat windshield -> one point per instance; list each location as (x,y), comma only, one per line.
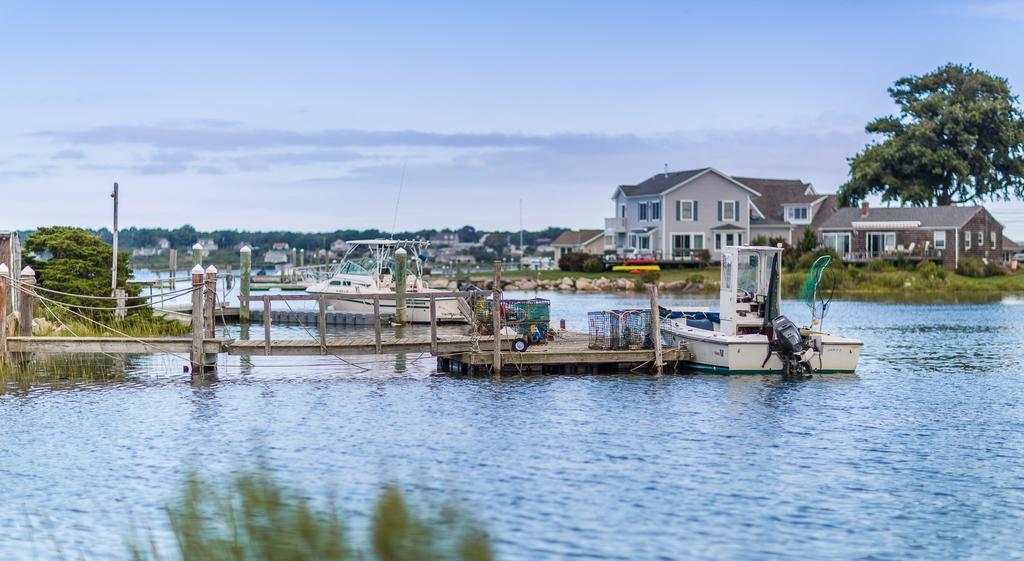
(748,273)
(353,268)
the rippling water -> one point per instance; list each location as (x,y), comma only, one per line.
(920,455)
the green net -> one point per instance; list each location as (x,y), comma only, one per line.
(809,291)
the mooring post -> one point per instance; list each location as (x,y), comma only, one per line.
(302,258)
(266,325)
(197,254)
(322,323)
(210,302)
(27,301)
(496,295)
(659,364)
(433,325)
(196,354)
(400,268)
(243,302)
(376,323)
(5,294)
(172,264)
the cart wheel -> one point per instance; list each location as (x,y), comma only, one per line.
(520,345)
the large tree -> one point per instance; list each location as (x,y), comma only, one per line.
(958,138)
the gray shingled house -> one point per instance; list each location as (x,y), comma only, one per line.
(944,234)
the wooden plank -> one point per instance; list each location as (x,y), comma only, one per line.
(376,323)
(496,313)
(659,363)
(266,323)
(111,345)
(433,326)
(322,324)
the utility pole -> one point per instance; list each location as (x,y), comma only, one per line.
(113,267)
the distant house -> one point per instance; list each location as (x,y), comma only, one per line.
(163,244)
(579,241)
(945,234)
(339,246)
(207,244)
(677,216)
(281,246)
(276,256)
(1010,248)
(445,238)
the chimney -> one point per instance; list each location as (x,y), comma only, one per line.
(864,209)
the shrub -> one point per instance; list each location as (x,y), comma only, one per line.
(972,267)
(931,270)
(573,261)
(879,266)
(593,264)
(648,277)
(807,259)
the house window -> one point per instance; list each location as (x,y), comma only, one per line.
(992,239)
(632,241)
(940,239)
(967,239)
(642,211)
(981,238)
(728,210)
(796,214)
(622,211)
(838,242)
(729,240)
(718,242)
(686,211)
(684,244)
(645,242)
(656,210)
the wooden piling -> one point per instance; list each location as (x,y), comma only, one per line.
(197,254)
(433,326)
(245,282)
(496,366)
(266,324)
(198,319)
(659,363)
(121,311)
(210,301)
(376,323)
(5,298)
(400,275)
(27,301)
(172,264)
(322,324)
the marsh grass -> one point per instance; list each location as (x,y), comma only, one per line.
(57,371)
(61,323)
(255,518)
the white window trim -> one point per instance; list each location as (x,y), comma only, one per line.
(642,212)
(791,209)
(967,239)
(847,235)
(992,238)
(679,204)
(936,236)
(735,211)
(651,215)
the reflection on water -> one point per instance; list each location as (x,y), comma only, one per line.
(919,455)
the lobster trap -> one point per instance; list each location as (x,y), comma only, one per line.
(529,318)
(619,330)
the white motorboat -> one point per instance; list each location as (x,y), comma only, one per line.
(748,334)
(369,268)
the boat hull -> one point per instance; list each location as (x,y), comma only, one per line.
(417,310)
(745,354)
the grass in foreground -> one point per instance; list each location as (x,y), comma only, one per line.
(255,518)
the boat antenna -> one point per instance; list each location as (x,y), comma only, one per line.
(398,199)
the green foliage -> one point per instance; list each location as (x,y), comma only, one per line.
(258,519)
(74,261)
(878,266)
(977,268)
(958,138)
(931,270)
(593,264)
(573,261)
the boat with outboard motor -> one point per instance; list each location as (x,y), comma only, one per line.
(369,268)
(748,334)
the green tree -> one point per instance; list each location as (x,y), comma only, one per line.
(958,138)
(73,261)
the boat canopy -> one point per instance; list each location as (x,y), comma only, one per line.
(390,242)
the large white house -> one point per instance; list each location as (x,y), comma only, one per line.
(676,216)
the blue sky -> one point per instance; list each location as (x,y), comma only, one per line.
(303,115)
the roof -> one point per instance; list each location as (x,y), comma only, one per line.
(727,227)
(577,237)
(778,192)
(927,217)
(1010,245)
(661,182)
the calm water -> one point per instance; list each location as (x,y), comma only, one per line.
(920,455)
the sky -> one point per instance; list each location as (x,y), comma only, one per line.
(317,116)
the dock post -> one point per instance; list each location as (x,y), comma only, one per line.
(322,323)
(27,301)
(376,323)
(172,264)
(433,325)
(196,354)
(266,325)
(246,273)
(496,313)
(5,298)
(210,302)
(302,258)
(659,364)
(197,254)
(400,269)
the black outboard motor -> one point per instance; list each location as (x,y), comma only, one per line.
(791,348)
